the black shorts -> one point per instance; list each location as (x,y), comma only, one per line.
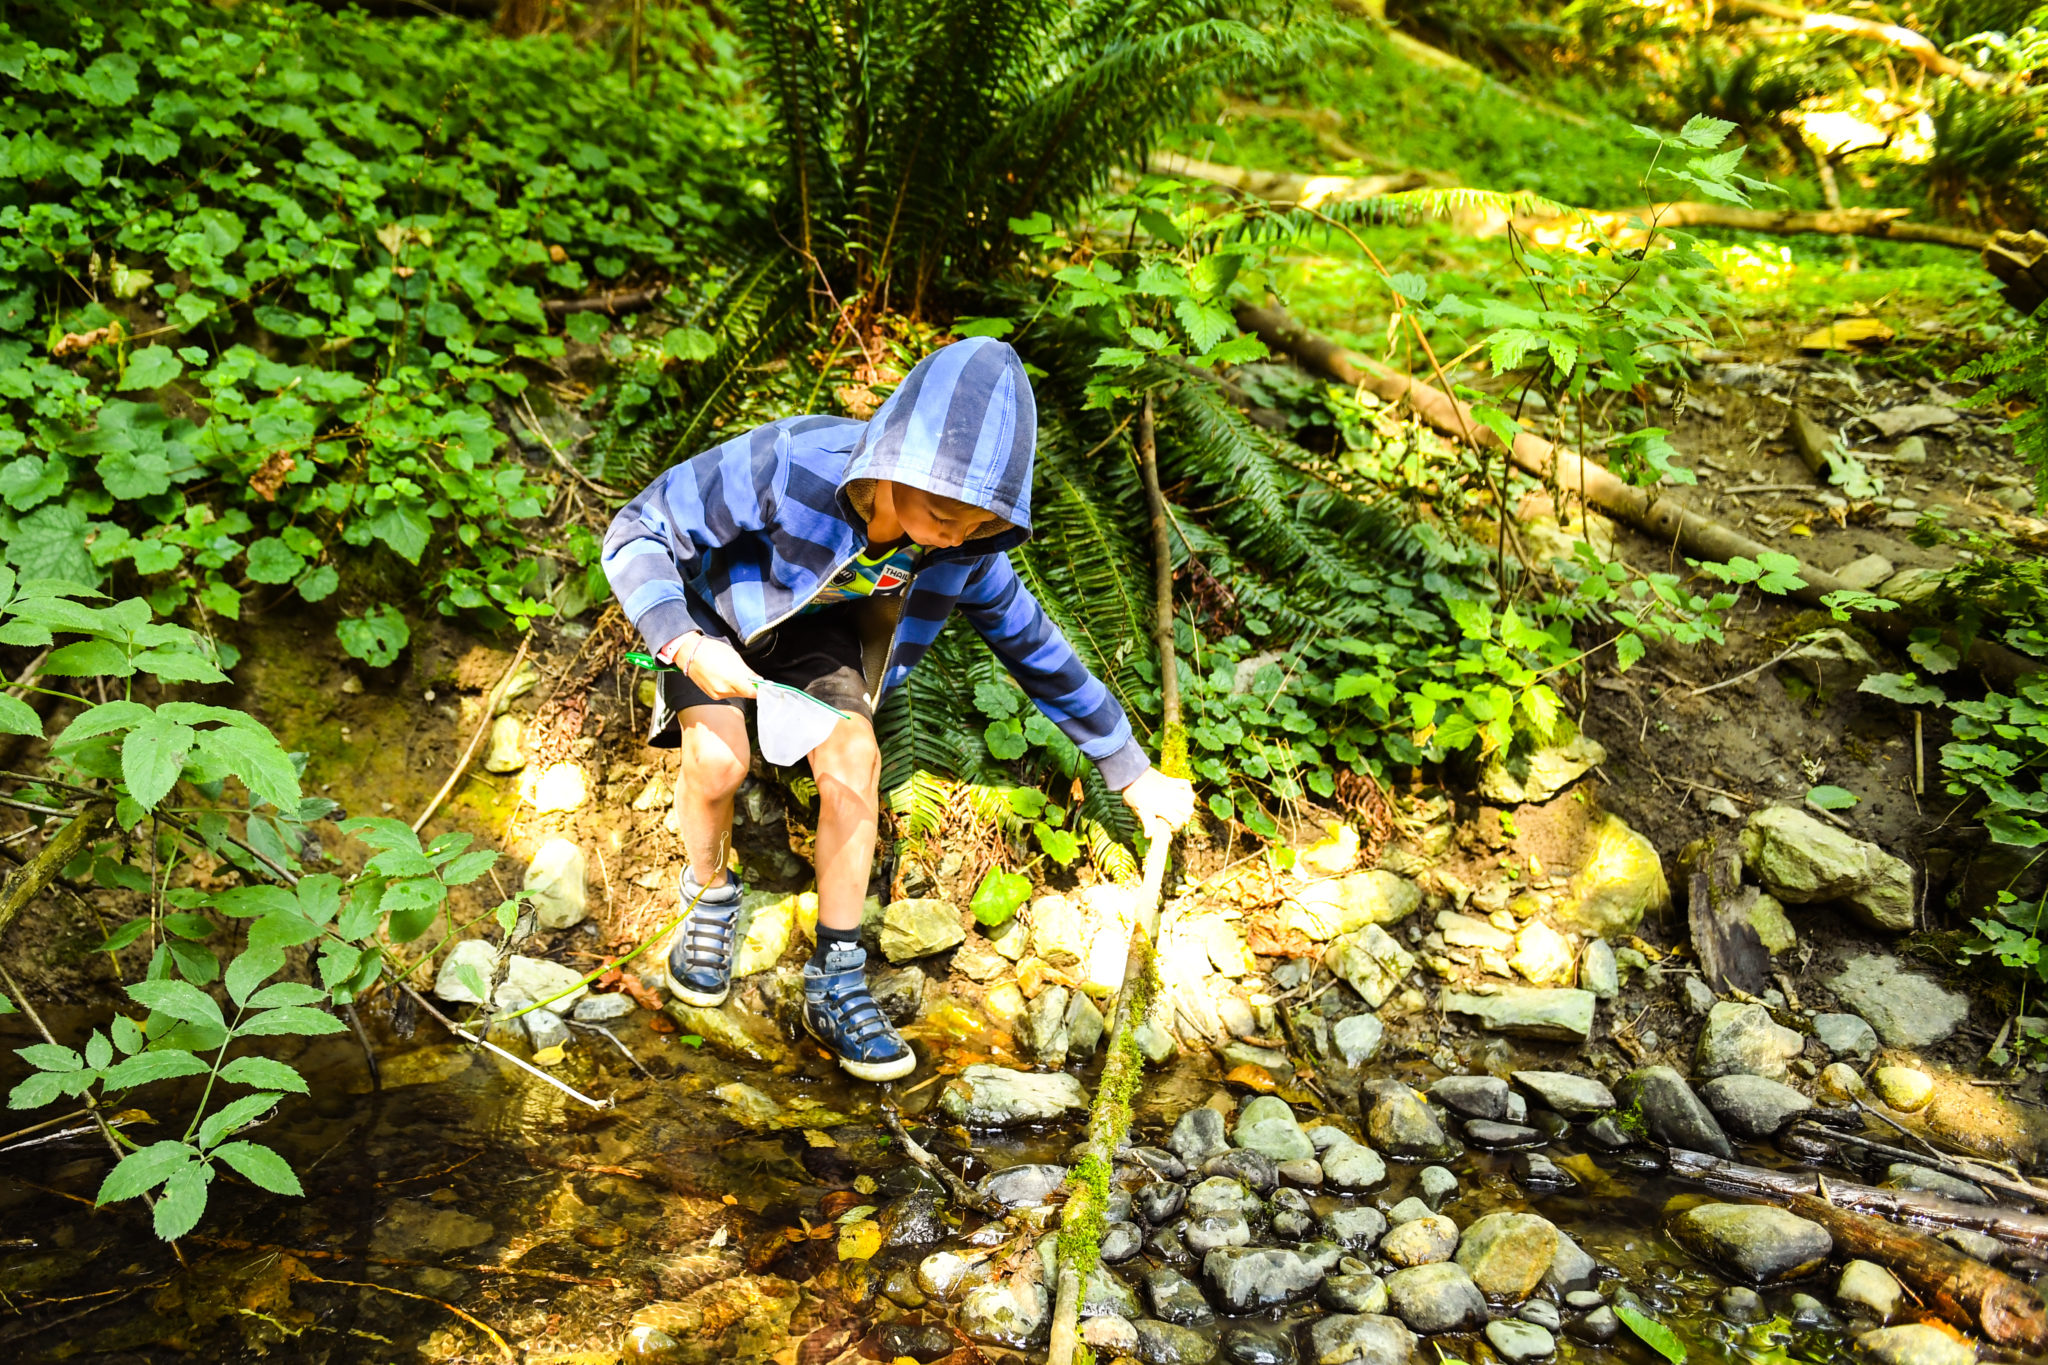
(819,653)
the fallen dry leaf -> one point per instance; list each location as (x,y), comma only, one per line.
(1847,334)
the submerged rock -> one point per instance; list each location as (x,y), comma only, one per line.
(1436,1298)
(1366,1338)
(1916,1343)
(1247,1279)
(1744,1040)
(1904,1175)
(731,1319)
(1198,1135)
(1421,1241)
(985,1096)
(1019,1187)
(1906,1009)
(1519,1341)
(1268,1126)
(1166,1343)
(1800,860)
(1561,1013)
(1671,1114)
(1014,1313)
(1753,1242)
(1176,1299)
(1357,1038)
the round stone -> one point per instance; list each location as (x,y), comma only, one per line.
(1517,1341)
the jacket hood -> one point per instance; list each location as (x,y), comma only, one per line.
(962,425)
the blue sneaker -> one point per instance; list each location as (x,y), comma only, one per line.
(700,955)
(840,1013)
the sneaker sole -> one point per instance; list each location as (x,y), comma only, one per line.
(894,1069)
(702,999)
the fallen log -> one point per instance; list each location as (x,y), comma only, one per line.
(1960,1288)
(2027,1231)
(1457,68)
(1915,45)
(1289,188)
(612,301)
(1645,509)
(33,877)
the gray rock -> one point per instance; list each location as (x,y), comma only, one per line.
(1166,1343)
(1538,1174)
(1013,1313)
(1358,1038)
(1258,1346)
(1159,1161)
(1085,1026)
(1473,1097)
(1906,1009)
(1502,1137)
(1421,1241)
(1160,1201)
(1366,1338)
(1353,1167)
(1104,1295)
(1599,973)
(944,1273)
(472,960)
(603,1009)
(1751,1106)
(1470,931)
(528,979)
(1436,1298)
(1866,1284)
(1672,1114)
(1255,1169)
(1596,1328)
(1915,1343)
(1846,1035)
(1571,1271)
(1410,1209)
(1528,1011)
(1518,1341)
(898,992)
(1606,1132)
(545,1029)
(1508,1253)
(1753,1242)
(1738,1303)
(555,882)
(1542,1312)
(985,1096)
(1699,996)
(1575,1097)
(1219,1195)
(912,1220)
(1800,860)
(1401,1125)
(1743,1040)
(1356,1228)
(1811,1313)
(1176,1298)
(1197,1136)
(1436,1185)
(1268,1126)
(1353,1293)
(1306,1173)
(1044,1027)
(1204,1235)
(1121,1241)
(1292,1219)
(1023,1187)
(1977,1245)
(1371,962)
(1324,1136)
(1246,1279)
(413,1228)
(918,928)
(1904,1175)
(1106,1333)
(1584,1300)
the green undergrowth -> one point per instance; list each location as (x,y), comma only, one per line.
(274,286)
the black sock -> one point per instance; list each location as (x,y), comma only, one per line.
(845,940)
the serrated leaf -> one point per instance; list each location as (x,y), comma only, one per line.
(17,717)
(264,1073)
(38,1090)
(145,1170)
(296,1019)
(261,1167)
(162,1065)
(233,1115)
(287,993)
(51,1057)
(1904,688)
(183,1202)
(257,758)
(1627,650)
(152,756)
(180,1000)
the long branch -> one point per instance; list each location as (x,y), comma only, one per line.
(32,878)
(1915,45)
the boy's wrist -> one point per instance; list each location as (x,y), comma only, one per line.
(667,653)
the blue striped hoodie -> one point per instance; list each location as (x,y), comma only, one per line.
(737,540)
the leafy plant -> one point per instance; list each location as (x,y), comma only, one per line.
(2016,376)
(162,772)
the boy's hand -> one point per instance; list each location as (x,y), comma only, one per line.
(1157,797)
(716,667)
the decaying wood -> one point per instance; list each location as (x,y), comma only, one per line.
(1443,63)
(613,301)
(1660,517)
(1717,909)
(1816,446)
(2028,1231)
(1915,45)
(1285,187)
(1960,1288)
(33,877)
(2019,261)
(963,1194)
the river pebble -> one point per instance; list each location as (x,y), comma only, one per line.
(1356,1228)
(1917,1343)
(1596,1327)
(1354,1293)
(1436,1298)
(1753,1242)
(1437,1184)
(1110,1335)
(1159,1201)
(1353,1167)
(1753,1107)
(1266,1125)
(1867,1284)
(1220,1194)
(1472,1097)
(1197,1136)
(1363,1338)
(1518,1341)
(1257,1346)
(1401,1125)
(1507,1253)
(1165,1343)
(1575,1097)
(1246,1279)
(1204,1235)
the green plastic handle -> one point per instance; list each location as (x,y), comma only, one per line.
(649,662)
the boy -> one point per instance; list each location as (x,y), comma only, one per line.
(825,554)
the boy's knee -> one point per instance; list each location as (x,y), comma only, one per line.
(848,768)
(711,769)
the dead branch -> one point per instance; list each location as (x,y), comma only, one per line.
(1285,187)
(33,877)
(1915,45)
(613,301)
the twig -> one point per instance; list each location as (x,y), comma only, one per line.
(1785,654)
(490,705)
(963,1194)
(308,1254)
(1717,791)
(533,425)
(20,1333)
(473,1321)
(369,1053)
(624,1051)
(494,1049)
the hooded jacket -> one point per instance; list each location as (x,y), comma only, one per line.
(739,539)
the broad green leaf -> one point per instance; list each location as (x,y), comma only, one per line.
(265,1073)
(144,1170)
(1653,1333)
(251,969)
(690,343)
(255,757)
(98,1051)
(468,867)
(51,1057)
(17,717)
(261,1166)
(38,1090)
(88,659)
(150,368)
(297,1019)
(152,756)
(128,1035)
(183,1201)
(272,561)
(999,896)
(233,1115)
(287,993)
(160,1065)
(1831,798)
(319,584)
(248,902)
(177,665)
(1903,688)
(180,1000)
(123,936)
(103,719)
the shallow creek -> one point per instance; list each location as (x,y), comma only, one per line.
(466,1200)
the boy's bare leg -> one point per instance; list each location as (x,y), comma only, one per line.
(848,771)
(715,754)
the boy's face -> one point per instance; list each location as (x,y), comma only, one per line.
(932,521)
